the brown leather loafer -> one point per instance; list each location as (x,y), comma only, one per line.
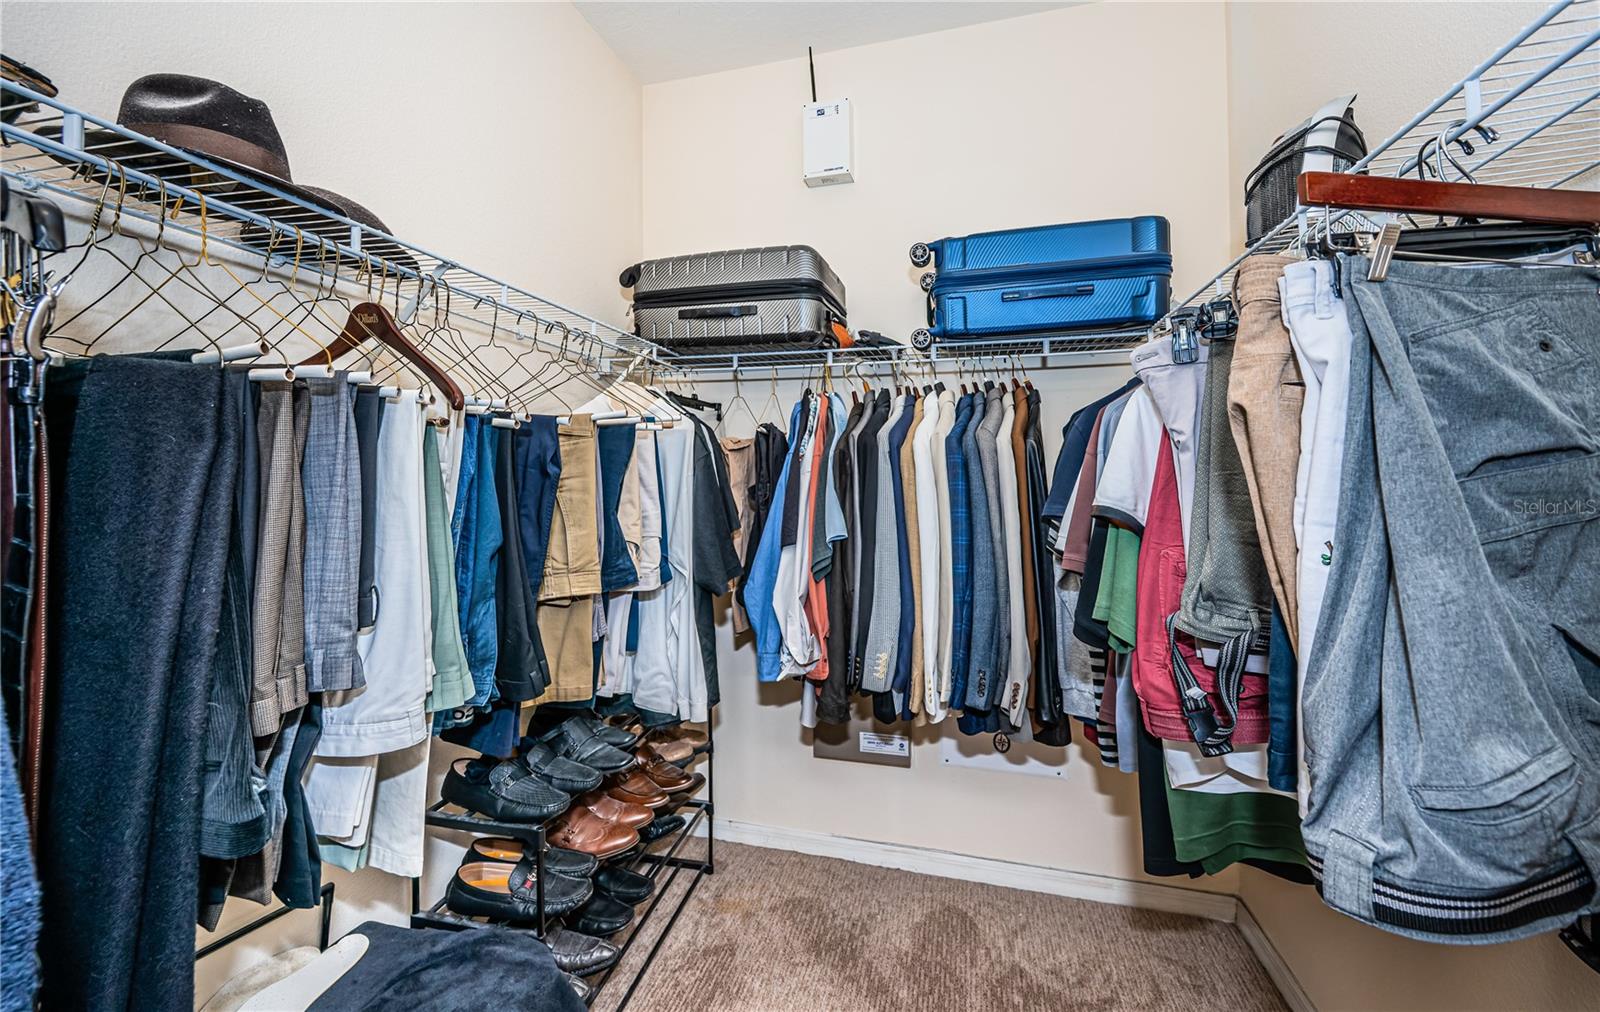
(663,774)
(635,788)
(582,830)
(620,812)
(672,749)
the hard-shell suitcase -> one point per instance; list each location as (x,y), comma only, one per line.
(771,296)
(1083,275)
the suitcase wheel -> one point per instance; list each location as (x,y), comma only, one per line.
(920,254)
(926,281)
(921,339)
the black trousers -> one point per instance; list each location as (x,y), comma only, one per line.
(143,467)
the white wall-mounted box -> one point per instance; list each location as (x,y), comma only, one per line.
(827,142)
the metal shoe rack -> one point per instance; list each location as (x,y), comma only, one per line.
(659,860)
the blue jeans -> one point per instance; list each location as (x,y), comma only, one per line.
(616,449)
(538,466)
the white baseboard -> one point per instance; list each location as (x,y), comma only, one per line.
(1277,969)
(945,864)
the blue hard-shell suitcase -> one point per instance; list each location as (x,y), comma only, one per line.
(1084,275)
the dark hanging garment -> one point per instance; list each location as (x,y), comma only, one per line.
(770,447)
(833,701)
(136,584)
(1050,723)
(867,490)
(715,562)
(521,671)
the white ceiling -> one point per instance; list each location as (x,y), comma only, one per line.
(665,41)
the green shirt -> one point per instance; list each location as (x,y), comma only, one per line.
(1115,602)
(1217,830)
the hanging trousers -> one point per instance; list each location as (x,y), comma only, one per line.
(136,590)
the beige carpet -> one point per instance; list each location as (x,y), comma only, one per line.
(773,931)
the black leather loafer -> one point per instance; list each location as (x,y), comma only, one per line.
(572,777)
(616,737)
(601,916)
(622,884)
(663,826)
(504,791)
(507,892)
(571,863)
(576,952)
(586,747)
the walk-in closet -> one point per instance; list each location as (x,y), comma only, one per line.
(791,506)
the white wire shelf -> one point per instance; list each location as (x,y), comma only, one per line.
(1528,115)
(55,149)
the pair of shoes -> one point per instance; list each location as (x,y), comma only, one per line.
(618,883)
(588,741)
(565,774)
(509,892)
(601,916)
(624,884)
(587,831)
(664,826)
(636,788)
(676,743)
(667,777)
(571,863)
(505,791)
(579,953)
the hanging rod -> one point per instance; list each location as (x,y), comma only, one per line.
(47,150)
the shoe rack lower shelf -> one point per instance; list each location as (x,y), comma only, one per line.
(659,860)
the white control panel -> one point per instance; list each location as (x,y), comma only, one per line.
(827,142)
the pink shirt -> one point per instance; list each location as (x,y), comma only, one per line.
(1158,593)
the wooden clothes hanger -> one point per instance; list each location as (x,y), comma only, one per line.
(370,320)
(1464,200)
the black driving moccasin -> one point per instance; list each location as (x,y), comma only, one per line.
(507,892)
(572,777)
(616,737)
(502,790)
(576,952)
(661,827)
(586,747)
(625,885)
(571,863)
(601,916)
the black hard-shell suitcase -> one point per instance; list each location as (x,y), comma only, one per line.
(771,296)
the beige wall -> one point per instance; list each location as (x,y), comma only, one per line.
(1005,124)
(507,136)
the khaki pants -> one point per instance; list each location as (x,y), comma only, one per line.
(1265,395)
(567,629)
(572,564)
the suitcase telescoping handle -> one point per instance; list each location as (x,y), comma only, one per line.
(716,312)
(1048,292)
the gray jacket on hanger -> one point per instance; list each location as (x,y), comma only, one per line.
(1000,637)
(980,659)
(883,635)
